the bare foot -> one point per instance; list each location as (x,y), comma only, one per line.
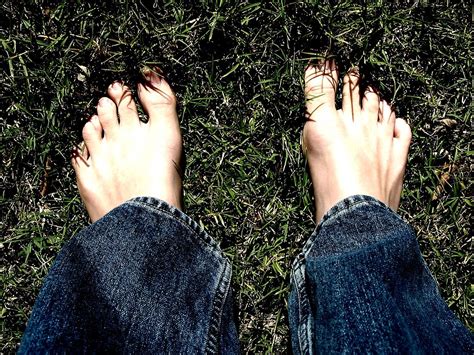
(124,157)
(359,149)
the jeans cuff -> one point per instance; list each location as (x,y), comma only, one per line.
(346,204)
(157,205)
(343,207)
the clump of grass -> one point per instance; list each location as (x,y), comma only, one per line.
(237,69)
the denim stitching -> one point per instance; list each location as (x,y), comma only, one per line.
(212,345)
(303,306)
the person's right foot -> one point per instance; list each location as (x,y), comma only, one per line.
(359,149)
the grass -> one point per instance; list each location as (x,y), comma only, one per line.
(237,70)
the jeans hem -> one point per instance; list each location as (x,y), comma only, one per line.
(341,207)
(163,207)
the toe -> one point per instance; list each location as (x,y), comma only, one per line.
(401,143)
(371,105)
(386,118)
(92,137)
(386,114)
(157,97)
(107,113)
(320,86)
(127,109)
(97,125)
(402,132)
(76,161)
(350,94)
(80,157)
(81,151)
(399,157)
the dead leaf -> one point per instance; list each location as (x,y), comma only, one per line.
(449,122)
(443,179)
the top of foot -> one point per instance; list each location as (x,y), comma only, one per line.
(359,149)
(123,157)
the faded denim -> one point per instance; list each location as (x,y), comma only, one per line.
(147,279)
(144,278)
(361,286)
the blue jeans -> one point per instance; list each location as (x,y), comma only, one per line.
(147,279)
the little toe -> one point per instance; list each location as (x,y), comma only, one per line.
(127,109)
(350,94)
(82,151)
(79,157)
(107,113)
(399,157)
(401,143)
(320,86)
(371,105)
(157,98)
(402,132)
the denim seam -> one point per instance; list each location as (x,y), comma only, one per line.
(212,343)
(304,328)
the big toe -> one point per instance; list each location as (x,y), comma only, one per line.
(157,97)
(320,86)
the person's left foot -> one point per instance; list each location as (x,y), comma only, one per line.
(123,157)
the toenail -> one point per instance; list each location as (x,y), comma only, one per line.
(88,127)
(321,64)
(104,102)
(153,75)
(116,85)
(354,70)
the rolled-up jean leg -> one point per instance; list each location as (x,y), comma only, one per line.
(361,285)
(145,278)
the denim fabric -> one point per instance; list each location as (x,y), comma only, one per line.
(146,279)
(361,286)
(143,279)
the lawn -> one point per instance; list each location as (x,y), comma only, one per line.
(237,70)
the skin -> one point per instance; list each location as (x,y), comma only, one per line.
(123,157)
(361,148)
